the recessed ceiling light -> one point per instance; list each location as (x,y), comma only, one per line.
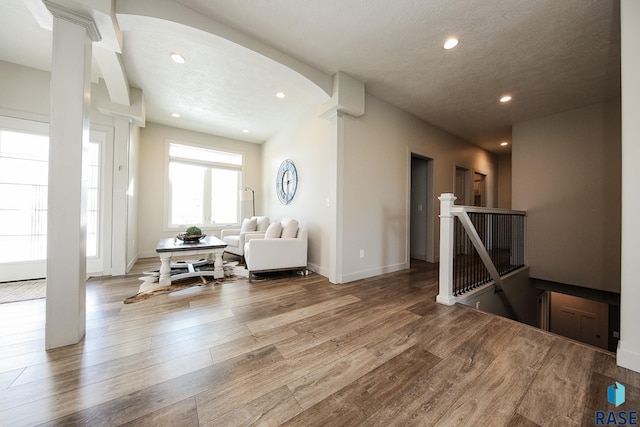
(451,43)
(504,143)
(175,115)
(505,98)
(280,95)
(177,58)
(245,130)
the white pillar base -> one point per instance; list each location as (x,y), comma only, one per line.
(627,359)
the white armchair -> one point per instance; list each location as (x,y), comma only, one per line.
(277,253)
(235,238)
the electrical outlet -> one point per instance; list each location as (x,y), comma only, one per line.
(361,253)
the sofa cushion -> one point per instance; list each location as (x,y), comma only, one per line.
(289,228)
(262,222)
(248,225)
(232,240)
(274,231)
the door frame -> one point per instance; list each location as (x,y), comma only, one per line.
(430,231)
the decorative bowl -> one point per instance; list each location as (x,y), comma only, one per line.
(191,238)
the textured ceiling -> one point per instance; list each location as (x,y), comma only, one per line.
(222,88)
(550,55)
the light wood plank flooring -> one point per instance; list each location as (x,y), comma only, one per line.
(297,350)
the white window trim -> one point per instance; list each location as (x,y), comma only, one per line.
(166,208)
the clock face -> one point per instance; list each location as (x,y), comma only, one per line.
(287,181)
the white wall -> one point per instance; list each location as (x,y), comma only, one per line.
(566,175)
(152,178)
(310,144)
(629,346)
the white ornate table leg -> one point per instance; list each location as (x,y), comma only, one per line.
(218,271)
(165,269)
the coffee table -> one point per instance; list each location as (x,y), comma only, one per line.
(210,246)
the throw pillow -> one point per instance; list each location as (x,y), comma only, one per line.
(248,225)
(289,228)
(274,231)
(262,223)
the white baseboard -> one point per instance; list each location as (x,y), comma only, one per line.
(317,269)
(132,263)
(148,255)
(627,359)
(373,272)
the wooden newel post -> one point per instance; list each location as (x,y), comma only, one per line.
(445,295)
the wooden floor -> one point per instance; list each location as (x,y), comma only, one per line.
(297,350)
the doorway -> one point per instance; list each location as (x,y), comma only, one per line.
(479,189)
(421,209)
(24,159)
(462,177)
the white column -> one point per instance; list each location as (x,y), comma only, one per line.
(629,345)
(119,237)
(66,230)
(334,201)
(445,295)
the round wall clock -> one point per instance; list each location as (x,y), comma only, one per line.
(287,181)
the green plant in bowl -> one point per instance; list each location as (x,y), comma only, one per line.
(192,235)
(193,231)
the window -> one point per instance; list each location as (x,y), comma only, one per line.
(24,166)
(91,172)
(203,186)
(23,195)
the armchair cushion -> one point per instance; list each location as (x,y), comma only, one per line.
(289,228)
(232,240)
(248,225)
(274,231)
(262,223)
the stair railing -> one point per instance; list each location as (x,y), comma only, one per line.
(478,248)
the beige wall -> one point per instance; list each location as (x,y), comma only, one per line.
(566,175)
(151,226)
(24,89)
(354,176)
(377,170)
(310,144)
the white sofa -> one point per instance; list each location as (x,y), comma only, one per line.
(235,238)
(288,251)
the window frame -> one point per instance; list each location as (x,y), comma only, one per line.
(167,225)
